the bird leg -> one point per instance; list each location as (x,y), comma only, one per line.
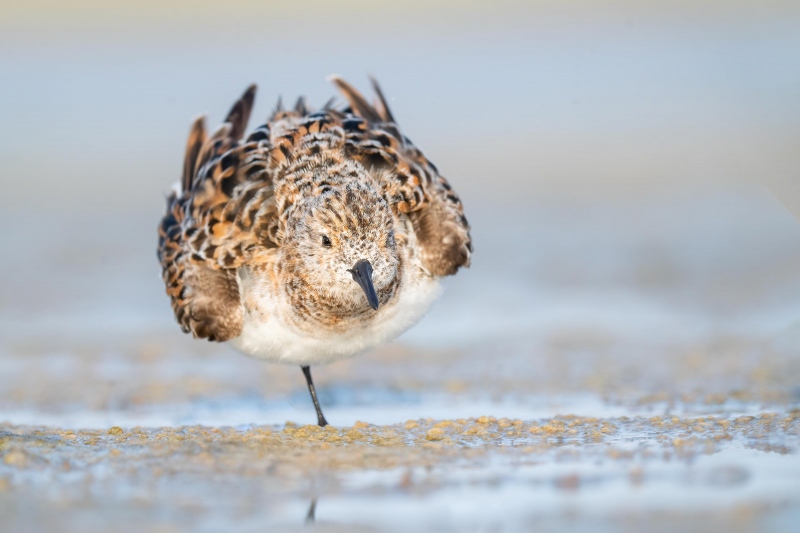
(320,417)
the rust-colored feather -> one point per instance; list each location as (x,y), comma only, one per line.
(239,115)
(197,137)
(383,106)
(357,102)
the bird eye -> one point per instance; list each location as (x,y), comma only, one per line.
(326,242)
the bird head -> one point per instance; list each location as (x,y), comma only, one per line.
(342,244)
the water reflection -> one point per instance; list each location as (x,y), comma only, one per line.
(312,510)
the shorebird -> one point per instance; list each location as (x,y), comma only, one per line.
(318,236)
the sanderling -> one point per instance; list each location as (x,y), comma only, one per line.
(322,234)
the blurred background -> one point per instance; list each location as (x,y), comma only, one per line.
(630,170)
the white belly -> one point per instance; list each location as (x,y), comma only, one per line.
(276,341)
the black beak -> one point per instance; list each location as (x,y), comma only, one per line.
(362,274)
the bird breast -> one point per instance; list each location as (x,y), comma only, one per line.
(274,329)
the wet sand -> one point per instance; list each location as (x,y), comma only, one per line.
(451,475)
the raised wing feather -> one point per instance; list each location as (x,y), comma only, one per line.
(208,230)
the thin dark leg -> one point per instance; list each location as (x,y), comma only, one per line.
(320,417)
(312,512)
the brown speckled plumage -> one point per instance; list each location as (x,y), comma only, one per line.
(258,244)
(235,203)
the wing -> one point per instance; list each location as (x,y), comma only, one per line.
(412,183)
(211,225)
